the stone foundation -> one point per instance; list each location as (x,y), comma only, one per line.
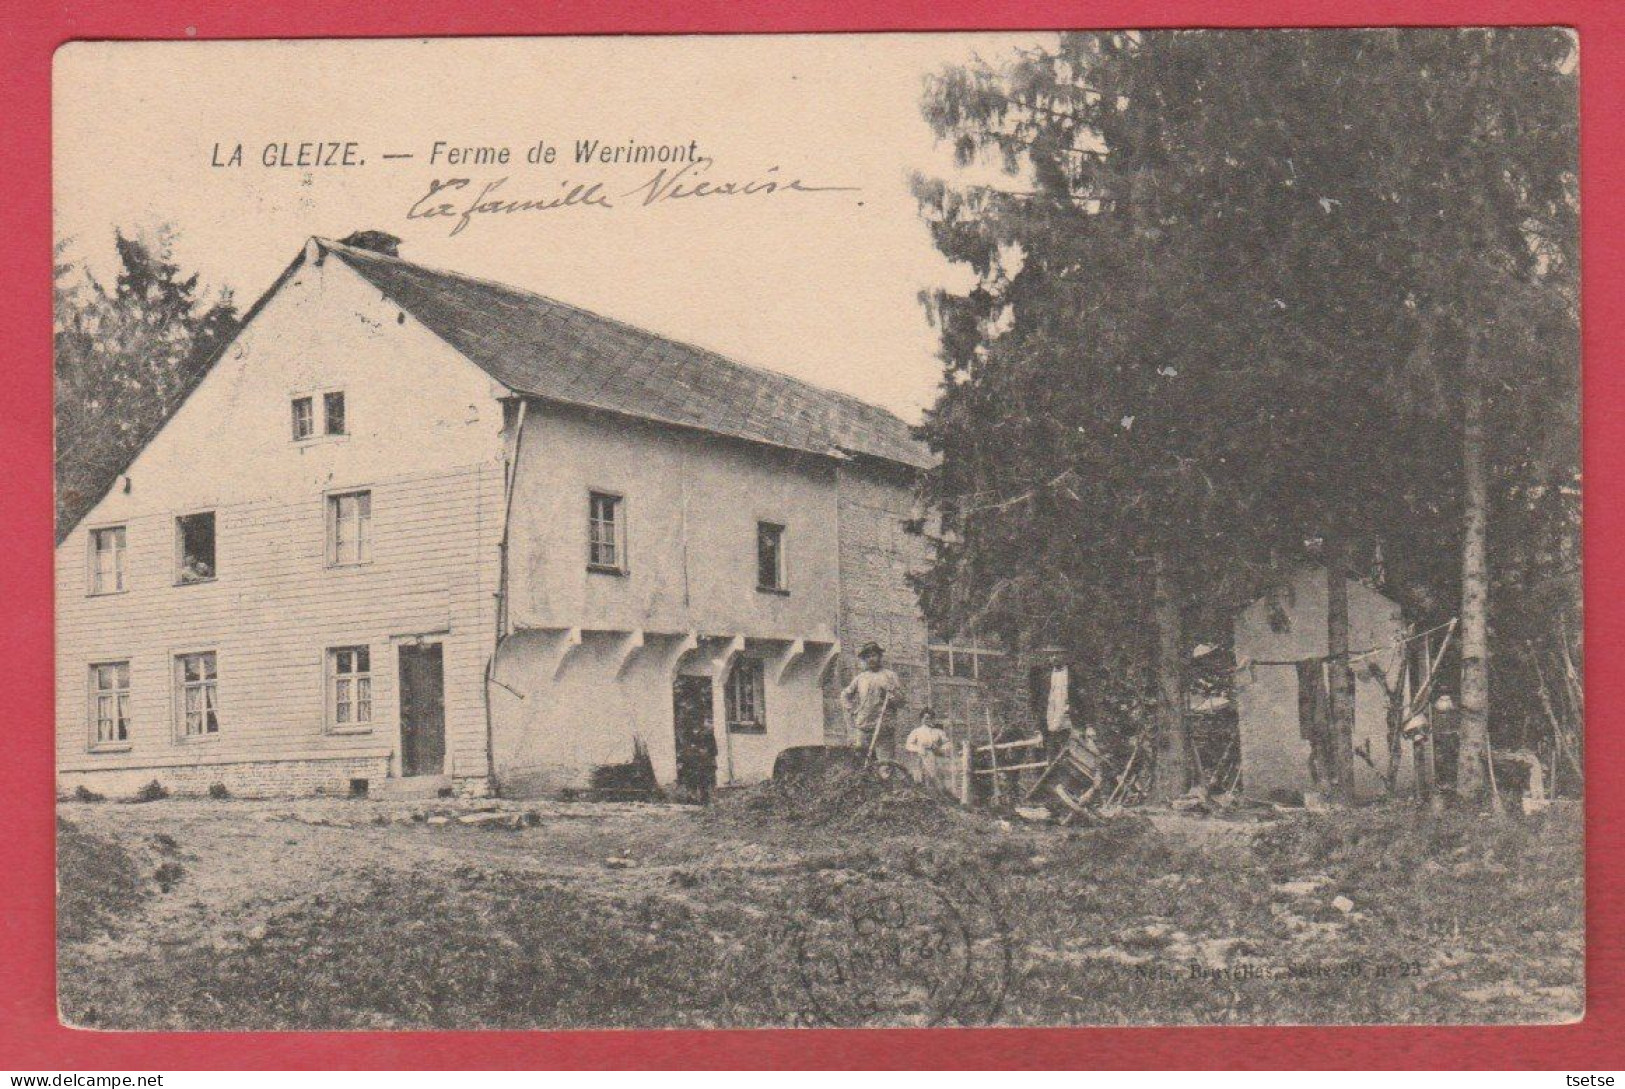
(546,781)
(474,786)
(249,779)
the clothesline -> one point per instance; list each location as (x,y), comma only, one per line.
(1400,641)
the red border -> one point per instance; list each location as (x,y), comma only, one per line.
(31,1039)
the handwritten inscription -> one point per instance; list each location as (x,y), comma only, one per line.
(458,201)
(462,213)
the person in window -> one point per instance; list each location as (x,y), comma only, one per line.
(872,702)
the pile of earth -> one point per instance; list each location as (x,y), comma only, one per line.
(839,796)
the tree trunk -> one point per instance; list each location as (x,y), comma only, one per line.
(1173,776)
(1340,674)
(1473,755)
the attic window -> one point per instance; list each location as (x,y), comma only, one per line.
(333,407)
(304,419)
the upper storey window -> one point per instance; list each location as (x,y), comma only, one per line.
(770,557)
(304,418)
(606,533)
(334,419)
(194,547)
(333,411)
(107,560)
(349,529)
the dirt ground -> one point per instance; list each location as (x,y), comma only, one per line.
(226,914)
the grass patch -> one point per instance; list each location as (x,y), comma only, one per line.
(465,949)
(98,881)
(1371,916)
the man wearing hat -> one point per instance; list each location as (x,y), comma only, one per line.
(873,700)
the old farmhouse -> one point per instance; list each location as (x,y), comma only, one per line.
(413,526)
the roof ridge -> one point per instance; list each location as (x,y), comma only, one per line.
(812,387)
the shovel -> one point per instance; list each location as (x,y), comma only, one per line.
(880,724)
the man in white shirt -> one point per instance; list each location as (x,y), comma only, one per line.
(1058,709)
(930,755)
(873,700)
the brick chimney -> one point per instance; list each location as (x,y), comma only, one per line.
(377,241)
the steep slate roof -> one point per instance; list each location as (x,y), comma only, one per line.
(543,348)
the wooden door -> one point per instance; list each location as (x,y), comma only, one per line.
(696,741)
(423,710)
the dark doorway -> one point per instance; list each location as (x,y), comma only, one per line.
(696,737)
(423,710)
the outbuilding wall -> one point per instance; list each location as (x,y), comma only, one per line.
(1274,755)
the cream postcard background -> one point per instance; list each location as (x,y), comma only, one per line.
(821,286)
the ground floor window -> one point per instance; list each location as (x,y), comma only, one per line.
(110,704)
(746,697)
(349,688)
(196,696)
